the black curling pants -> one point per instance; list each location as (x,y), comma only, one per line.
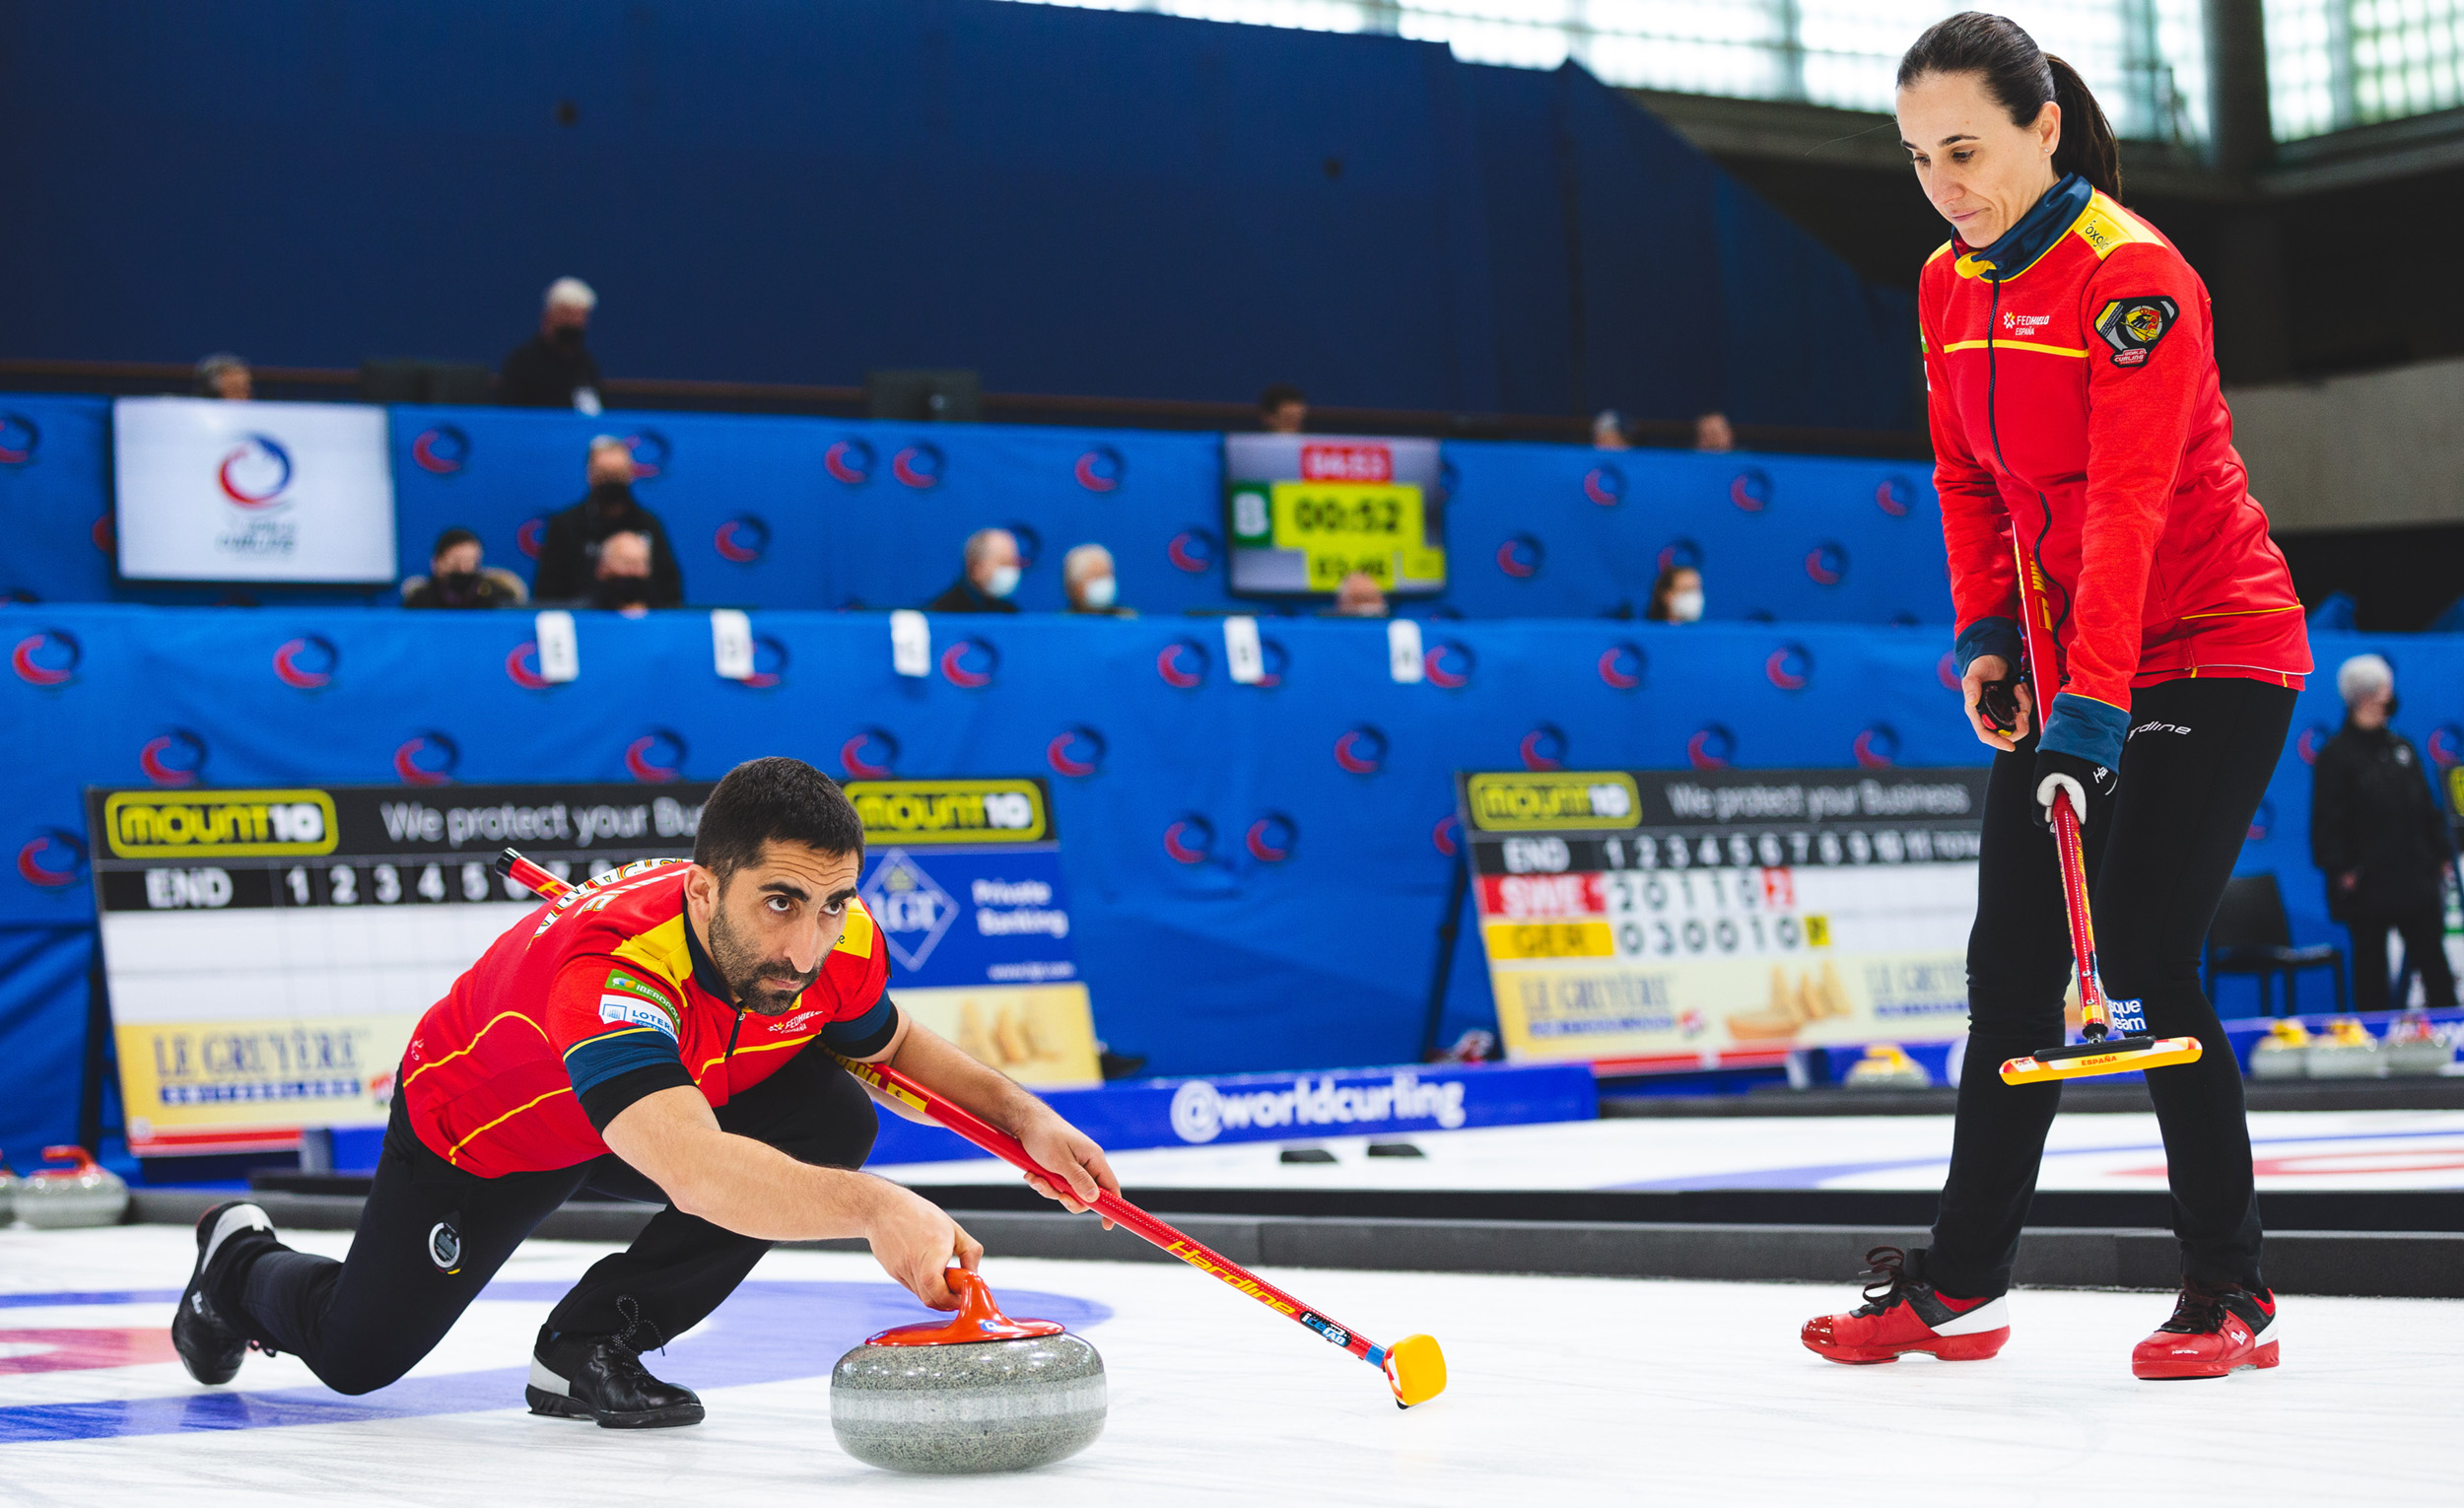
(2197,762)
(363,1322)
(2423,929)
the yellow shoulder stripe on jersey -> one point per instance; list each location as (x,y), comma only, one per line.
(457,1149)
(473,1044)
(2107,227)
(857,938)
(629,1031)
(663,951)
(2012,345)
(750,1049)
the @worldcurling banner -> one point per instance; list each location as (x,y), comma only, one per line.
(212,491)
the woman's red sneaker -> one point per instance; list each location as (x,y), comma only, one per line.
(2216,1328)
(1908,1314)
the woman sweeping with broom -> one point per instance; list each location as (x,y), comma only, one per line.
(2088,483)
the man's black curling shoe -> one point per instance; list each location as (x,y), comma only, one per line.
(599,1377)
(207,1346)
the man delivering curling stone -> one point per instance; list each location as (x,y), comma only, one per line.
(665,1033)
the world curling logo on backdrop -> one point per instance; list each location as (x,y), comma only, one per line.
(1876,747)
(1711,747)
(1361,750)
(2311,740)
(849,461)
(20,439)
(969,664)
(1681,553)
(1183,665)
(1827,564)
(1189,839)
(1448,664)
(1101,470)
(2445,745)
(1446,834)
(54,858)
(1790,668)
(1605,485)
(770,664)
(1750,489)
(1896,496)
(1271,837)
(426,758)
(1622,665)
(46,658)
(256,473)
(1520,557)
(522,668)
(173,759)
(531,537)
(1544,747)
(657,757)
(1076,752)
(307,662)
(441,451)
(742,539)
(1193,550)
(871,755)
(919,465)
(650,451)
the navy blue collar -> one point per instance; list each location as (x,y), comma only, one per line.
(2036,232)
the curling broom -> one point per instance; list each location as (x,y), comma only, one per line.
(1415,1367)
(2117,1035)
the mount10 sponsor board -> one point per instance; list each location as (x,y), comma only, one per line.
(1291,1107)
(268,953)
(1686,919)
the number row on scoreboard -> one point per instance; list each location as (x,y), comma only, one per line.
(1777,849)
(324,882)
(1760,934)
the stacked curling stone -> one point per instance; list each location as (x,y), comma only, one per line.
(984,1393)
(83,1194)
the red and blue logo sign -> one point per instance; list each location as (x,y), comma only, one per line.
(1189,838)
(426,758)
(1195,551)
(742,539)
(2445,745)
(649,450)
(919,465)
(1101,470)
(1520,557)
(657,757)
(1947,669)
(850,461)
(971,665)
(1896,496)
(1750,489)
(1827,564)
(521,666)
(46,658)
(20,439)
(1271,837)
(1076,751)
(173,759)
(255,472)
(1877,747)
(1680,555)
(1711,747)
(52,859)
(871,755)
(1183,665)
(531,537)
(1448,664)
(1622,665)
(2311,740)
(1544,747)
(307,662)
(1790,668)
(1446,834)
(1605,485)
(1361,750)
(441,451)
(770,664)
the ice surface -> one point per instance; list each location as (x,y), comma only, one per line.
(1566,1391)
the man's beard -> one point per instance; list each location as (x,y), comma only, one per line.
(756,982)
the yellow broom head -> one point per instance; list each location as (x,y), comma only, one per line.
(2122,1055)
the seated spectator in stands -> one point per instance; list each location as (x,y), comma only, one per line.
(1608,431)
(1086,575)
(1676,596)
(554,368)
(456,577)
(568,556)
(2379,834)
(1359,596)
(1712,432)
(621,580)
(225,376)
(988,576)
(1282,409)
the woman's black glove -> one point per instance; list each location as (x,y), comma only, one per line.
(2090,787)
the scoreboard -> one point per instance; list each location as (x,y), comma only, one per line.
(268,953)
(1684,918)
(1303,512)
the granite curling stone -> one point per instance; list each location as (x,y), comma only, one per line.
(83,1194)
(984,1393)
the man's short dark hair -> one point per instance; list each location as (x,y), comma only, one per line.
(777,799)
(458,535)
(1277,394)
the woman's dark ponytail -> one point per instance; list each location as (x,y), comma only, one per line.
(2023,79)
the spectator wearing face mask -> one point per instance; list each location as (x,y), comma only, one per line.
(987,578)
(621,580)
(2378,834)
(568,555)
(554,368)
(1358,595)
(458,578)
(1676,596)
(1087,573)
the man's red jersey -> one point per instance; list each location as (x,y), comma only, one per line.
(2074,399)
(600,997)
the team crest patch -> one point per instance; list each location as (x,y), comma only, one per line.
(2133,327)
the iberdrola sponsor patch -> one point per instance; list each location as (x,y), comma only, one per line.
(2133,327)
(628,999)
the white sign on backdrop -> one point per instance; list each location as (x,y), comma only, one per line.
(212,491)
